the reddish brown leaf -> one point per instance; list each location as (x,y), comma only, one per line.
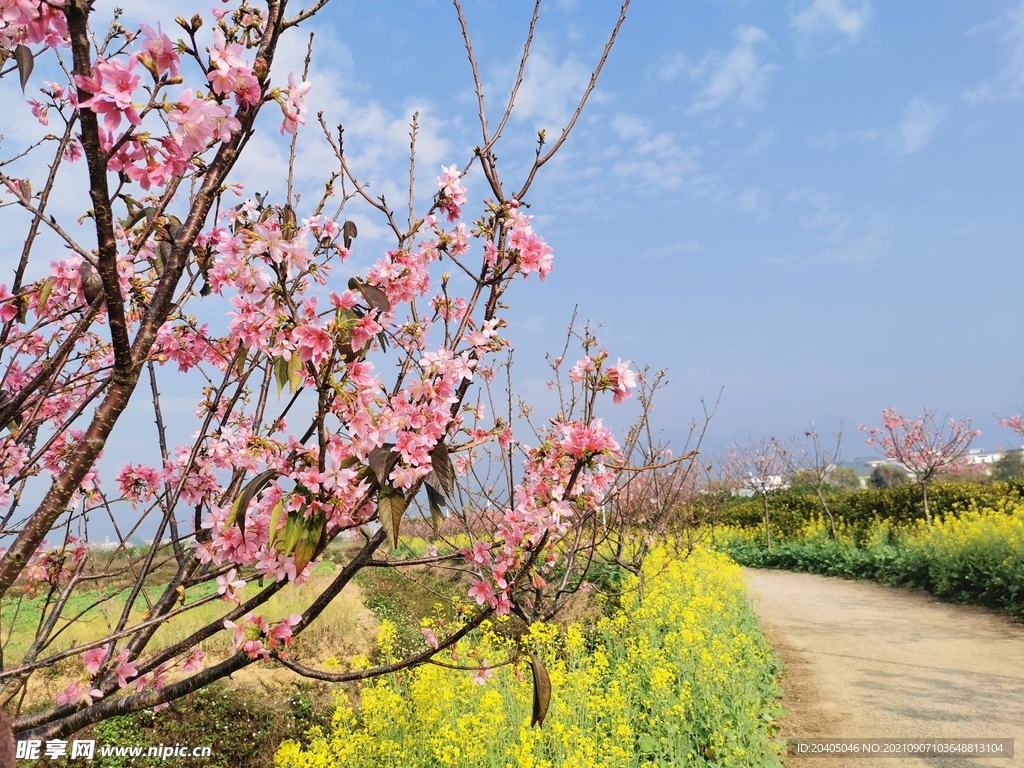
(541,692)
(23,56)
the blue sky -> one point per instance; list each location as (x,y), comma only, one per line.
(815,205)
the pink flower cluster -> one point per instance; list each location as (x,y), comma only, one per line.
(452,196)
(229,73)
(31,21)
(256,638)
(531,252)
(561,475)
(619,379)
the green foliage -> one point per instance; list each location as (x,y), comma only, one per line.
(1009,467)
(888,476)
(843,479)
(792,508)
(976,556)
(242,727)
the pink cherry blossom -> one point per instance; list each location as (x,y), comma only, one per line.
(200,121)
(293,104)
(94,659)
(112,86)
(158,54)
(124,669)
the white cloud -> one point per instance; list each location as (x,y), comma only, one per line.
(753,201)
(824,219)
(671,66)
(677,248)
(550,91)
(920,119)
(830,16)
(1009,83)
(838,238)
(629,126)
(657,159)
(736,75)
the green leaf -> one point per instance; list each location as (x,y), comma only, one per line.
(23,56)
(294,372)
(275,521)
(292,531)
(248,493)
(309,539)
(390,508)
(541,692)
(281,367)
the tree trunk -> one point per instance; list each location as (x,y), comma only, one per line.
(767,522)
(924,493)
(831,518)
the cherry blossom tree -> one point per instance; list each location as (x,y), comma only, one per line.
(650,499)
(816,462)
(924,447)
(300,437)
(759,468)
(1016,423)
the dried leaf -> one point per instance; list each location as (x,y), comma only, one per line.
(26,62)
(288,223)
(161,255)
(382,461)
(436,502)
(257,484)
(349,232)
(375,297)
(92,283)
(45,287)
(441,463)
(390,508)
(174,227)
(541,692)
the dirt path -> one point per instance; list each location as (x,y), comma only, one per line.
(868,661)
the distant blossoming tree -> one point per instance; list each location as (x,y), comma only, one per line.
(815,462)
(924,447)
(759,468)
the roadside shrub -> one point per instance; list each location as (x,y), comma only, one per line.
(974,555)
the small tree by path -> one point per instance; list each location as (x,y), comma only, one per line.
(758,467)
(924,447)
(815,462)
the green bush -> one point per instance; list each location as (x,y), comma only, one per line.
(974,555)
